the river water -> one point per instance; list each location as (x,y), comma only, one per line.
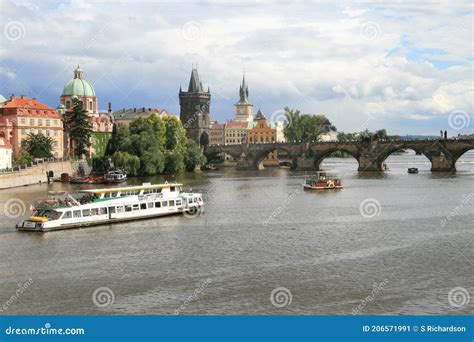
(381,245)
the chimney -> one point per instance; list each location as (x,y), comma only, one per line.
(12,97)
(110,107)
(22,96)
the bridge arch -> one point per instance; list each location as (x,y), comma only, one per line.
(263,153)
(319,157)
(420,155)
(459,158)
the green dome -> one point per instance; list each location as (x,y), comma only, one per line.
(78,87)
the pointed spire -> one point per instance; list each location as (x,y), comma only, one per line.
(195,86)
(243,92)
(259,115)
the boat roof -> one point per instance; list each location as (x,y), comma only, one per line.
(144,186)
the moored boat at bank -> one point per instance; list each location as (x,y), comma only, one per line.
(322,181)
(63,210)
(115,176)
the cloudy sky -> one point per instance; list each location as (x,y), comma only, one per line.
(404,66)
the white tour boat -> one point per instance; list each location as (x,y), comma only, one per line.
(63,210)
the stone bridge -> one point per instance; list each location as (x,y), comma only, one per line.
(370,155)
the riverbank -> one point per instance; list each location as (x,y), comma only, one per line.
(34,175)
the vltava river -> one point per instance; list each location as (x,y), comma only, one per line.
(382,245)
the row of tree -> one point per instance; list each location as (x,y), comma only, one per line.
(152,146)
(366,135)
(145,147)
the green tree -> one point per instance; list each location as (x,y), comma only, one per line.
(305,127)
(23,158)
(193,156)
(152,162)
(130,164)
(174,162)
(78,127)
(100,165)
(175,134)
(38,145)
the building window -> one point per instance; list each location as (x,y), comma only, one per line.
(23,131)
(68,104)
(32,122)
(55,132)
(40,122)
(47,132)
(90,105)
(23,121)
(48,122)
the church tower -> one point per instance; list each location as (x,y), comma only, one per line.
(243,108)
(195,110)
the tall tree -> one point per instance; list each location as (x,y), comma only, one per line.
(78,127)
(38,145)
(305,127)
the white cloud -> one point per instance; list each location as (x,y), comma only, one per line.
(312,56)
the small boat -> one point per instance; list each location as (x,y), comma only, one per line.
(79,180)
(210,167)
(115,176)
(96,180)
(322,181)
(64,210)
(412,170)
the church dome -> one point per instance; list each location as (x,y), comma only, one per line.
(78,86)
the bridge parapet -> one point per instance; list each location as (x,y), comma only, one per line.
(369,154)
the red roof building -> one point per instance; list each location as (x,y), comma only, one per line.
(22,115)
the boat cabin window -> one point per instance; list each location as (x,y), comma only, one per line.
(50,214)
(67,215)
(178,202)
(102,211)
(172,188)
(164,203)
(85,213)
(110,194)
(128,207)
(112,210)
(151,191)
(120,209)
(171,203)
(157,204)
(150,205)
(135,207)
(76,213)
(143,206)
